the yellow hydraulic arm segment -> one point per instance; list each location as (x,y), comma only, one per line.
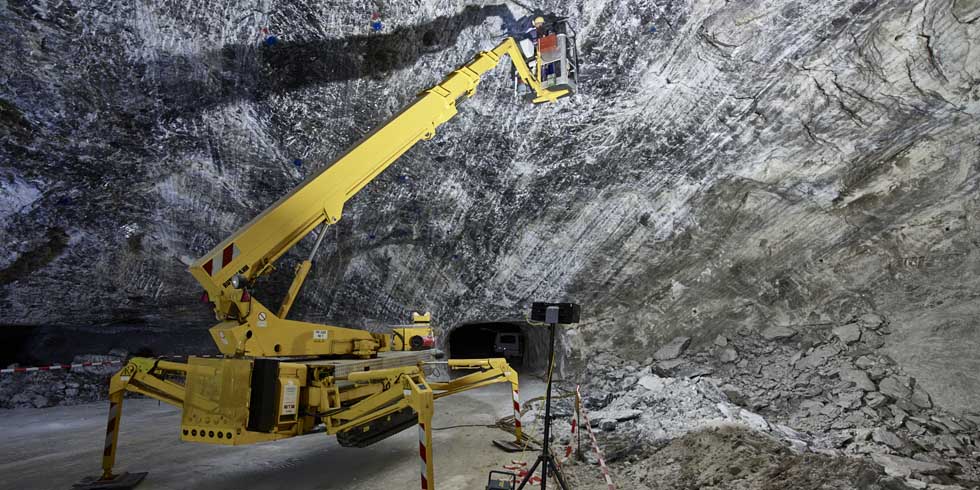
(247,326)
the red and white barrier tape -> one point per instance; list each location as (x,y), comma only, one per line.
(517,413)
(595,446)
(521,468)
(571,441)
(424,456)
(58,367)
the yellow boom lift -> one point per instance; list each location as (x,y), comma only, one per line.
(281,378)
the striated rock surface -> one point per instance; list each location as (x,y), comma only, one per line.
(726,166)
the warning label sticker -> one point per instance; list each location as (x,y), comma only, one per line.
(290,393)
(262,322)
(319,335)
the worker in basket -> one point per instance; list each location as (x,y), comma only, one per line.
(538,34)
(529,42)
(537,30)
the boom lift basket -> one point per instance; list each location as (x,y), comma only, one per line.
(555,59)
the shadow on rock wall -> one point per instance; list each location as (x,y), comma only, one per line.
(288,66)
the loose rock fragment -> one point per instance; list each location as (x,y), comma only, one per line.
(920,398)
(670,365)
(653,382)
(894,388)
(887,438)
(728,355)
(859,378)
(904,467)
(777,333)
(850,400)
(875,399)
(871,321)
(848,334)
(672,349)
(818,357)
(754,420)
(864,362)
(616,415)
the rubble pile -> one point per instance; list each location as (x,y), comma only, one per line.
(733,458)
(826,390)
(40,389)
(649,409)
(835,383)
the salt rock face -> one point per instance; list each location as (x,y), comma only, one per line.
(742,165)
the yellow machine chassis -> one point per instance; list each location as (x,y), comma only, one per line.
(340,403)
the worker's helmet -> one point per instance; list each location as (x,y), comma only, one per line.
(538,21)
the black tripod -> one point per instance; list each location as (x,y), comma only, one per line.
(545,459)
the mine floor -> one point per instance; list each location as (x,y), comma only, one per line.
(55,447)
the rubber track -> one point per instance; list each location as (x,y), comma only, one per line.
(377,430)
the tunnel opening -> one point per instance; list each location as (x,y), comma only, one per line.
(524,346)
(13,342)
(39,345)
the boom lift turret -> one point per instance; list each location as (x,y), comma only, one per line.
(281,378)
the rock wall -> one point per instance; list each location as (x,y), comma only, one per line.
(725,166)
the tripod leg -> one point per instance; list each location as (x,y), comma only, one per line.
(545,461)
(558,475)
(529,474)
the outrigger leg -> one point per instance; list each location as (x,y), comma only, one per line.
(135,376)
(108,480)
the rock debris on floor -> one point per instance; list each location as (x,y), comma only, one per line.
(42,389)
(827,398)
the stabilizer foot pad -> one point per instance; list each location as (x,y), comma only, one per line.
(122,481)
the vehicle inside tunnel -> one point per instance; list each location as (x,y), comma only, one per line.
(523,345)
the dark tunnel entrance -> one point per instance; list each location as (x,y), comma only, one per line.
(524,346)
(13,342)
(49,344)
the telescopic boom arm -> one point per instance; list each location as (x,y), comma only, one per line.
(228,269)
